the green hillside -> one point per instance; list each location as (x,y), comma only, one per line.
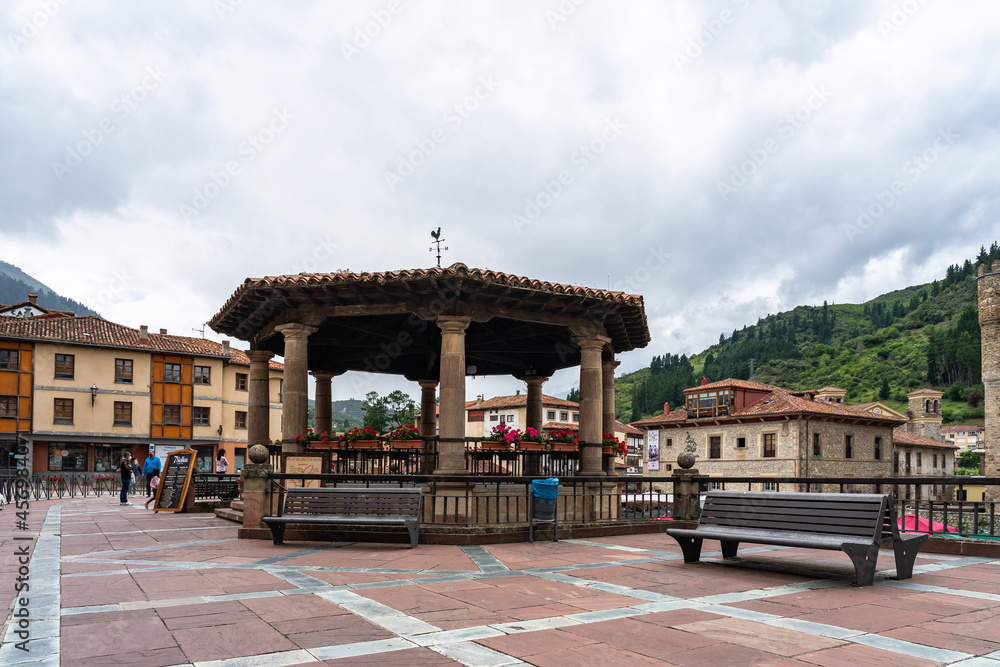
(15,285)
(924,335)
(346,414)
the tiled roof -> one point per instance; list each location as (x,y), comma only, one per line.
(97,332)
(901,437)
(826,390)
(955,429)
(733,383)
(518,400)
(927,391)
(560,426)
(677,415)
(627,428)
(49,312)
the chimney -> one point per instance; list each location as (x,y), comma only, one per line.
(163,332)
(704,380)
(517,392)
(33,299)
(225,348)
(666,408)
(143,332)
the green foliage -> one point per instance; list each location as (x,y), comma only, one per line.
(574,395)
(385,412)
(968,459)
(884,392)
(15,285)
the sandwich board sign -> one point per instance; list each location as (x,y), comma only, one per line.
(175,481)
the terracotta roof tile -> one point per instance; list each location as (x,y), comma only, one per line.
(560,426)
(901,437)
(627,428)
(735,384)
(97,332)
(519,400)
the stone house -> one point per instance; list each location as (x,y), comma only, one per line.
(745,428)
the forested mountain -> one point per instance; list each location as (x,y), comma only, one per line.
(15,285)
(895,343)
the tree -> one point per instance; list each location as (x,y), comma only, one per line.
(968,459)
(885,392)
(573,395)
(399,408)
(376,412)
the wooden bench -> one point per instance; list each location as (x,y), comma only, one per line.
(344,506)
(853,523)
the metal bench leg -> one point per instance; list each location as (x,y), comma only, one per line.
(691,547)
(865,558)
(277,532)
(531,531)
(414,529)
(555,531)
(906,553)
(729,548)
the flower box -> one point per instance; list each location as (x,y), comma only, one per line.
(493,446)
(527,446)
(564,447)
(406,444)
(363,444)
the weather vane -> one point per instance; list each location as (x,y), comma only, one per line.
(437,240)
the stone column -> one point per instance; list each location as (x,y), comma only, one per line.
(608,403)
(295,413)
(259,398)
(451,455)
(323,419)
(533,417)
(591,400)
(428,422)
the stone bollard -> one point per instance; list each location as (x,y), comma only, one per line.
(687,494)
(256,499)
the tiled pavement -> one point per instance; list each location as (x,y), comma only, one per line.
(125,586)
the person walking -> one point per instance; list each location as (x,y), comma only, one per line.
(151,468)
(154,483)
(125,470)
(221,463)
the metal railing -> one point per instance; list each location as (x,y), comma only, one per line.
(59,486)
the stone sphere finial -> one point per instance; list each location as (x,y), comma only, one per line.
(258,454)
(686,460)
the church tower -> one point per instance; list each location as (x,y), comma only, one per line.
(989,322)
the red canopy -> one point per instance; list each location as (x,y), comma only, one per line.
(913,523)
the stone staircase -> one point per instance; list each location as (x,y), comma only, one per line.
(232,513)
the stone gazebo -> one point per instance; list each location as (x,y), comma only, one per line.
(432,326)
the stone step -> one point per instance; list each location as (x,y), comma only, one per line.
(230,514)
(237,505)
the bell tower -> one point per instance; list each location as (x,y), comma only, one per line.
(988,283)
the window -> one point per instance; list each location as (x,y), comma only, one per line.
(715,486)
(817,446)
(714,447)
(741,442)
(563,416)
(551,415)
(64,366)
(201,417)
(576,416)
(878,449)
(670,442)
(64,456)
(202,375)
(241,382)
(769,445)
(8,360)
(848,446)
(935,461)
(172,373)
(919,462)
(241,419)
(171,414)
(63,411)
(8,406)
(493,418)
(503,419)
(123,413)
(107,457)
(770,486)
(123,370)
(476,415)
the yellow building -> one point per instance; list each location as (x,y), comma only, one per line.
(80,391)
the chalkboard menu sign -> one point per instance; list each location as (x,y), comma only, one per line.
(174,482)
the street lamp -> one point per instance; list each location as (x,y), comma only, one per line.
(93,394)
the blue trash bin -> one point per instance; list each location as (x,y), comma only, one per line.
(543,506)
(545,488)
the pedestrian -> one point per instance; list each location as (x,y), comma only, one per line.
(221,464)
(125,470)
(154,482)
(151,468)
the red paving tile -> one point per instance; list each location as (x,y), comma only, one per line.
(852,655)
(593,655)
(759,636)
(714,655)
(868,618)
(230,641)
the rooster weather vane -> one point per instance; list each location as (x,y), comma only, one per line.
(438,241)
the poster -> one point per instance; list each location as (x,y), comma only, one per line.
(652,450)
(161,451)
(304,464)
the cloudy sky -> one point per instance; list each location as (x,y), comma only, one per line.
(725,159)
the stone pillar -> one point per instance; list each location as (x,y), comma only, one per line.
(451,455)
(256,499)
(608,403)
(591,400)
(259,399)
(295,413)
(988,284)
(428,422)
(323,419)
(533,418)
